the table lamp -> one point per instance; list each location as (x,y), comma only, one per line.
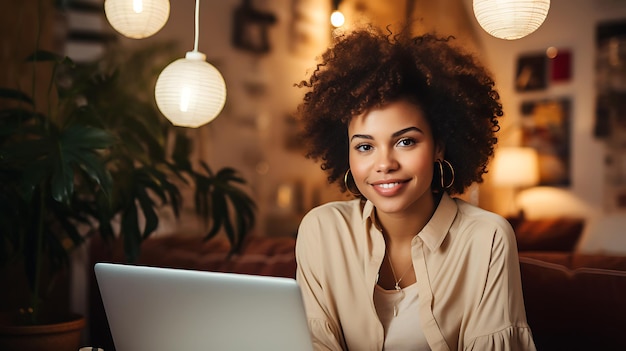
(516,168)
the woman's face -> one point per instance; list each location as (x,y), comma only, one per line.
(392,152)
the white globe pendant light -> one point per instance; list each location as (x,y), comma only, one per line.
(510,19)
(190,92)
(137,19)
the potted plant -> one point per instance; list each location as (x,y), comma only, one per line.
(96,160)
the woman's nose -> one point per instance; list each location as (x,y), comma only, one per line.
(386,162)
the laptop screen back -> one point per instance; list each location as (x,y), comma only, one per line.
(164,309)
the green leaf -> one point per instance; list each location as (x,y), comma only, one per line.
(76,148)
(62,179)
(147,208)
(13,94)
(44,55)
(85,137)
(130,233)
(92,165)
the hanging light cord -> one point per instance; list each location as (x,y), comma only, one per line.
(197,26)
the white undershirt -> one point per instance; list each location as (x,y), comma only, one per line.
(402,332)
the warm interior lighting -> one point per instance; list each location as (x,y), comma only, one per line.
(510,19)
(137,19)
(337,19)
(190,92)
(516,167)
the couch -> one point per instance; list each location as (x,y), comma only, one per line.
(574,301)
(575,298)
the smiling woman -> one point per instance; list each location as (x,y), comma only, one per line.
(407,123)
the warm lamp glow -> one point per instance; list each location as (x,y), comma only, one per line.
(510,19)
(137,19)
(190,92)
(337,19)
(516,167)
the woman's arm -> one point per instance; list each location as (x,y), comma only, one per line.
(325,332)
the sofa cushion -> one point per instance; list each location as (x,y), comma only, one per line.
(547,304)
(554,234)
(272,256)
(604,234)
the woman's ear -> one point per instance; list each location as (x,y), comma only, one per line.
(440,151)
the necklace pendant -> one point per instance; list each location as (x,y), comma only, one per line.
(398,288)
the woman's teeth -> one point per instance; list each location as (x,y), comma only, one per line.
(388,185)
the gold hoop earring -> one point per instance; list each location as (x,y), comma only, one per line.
(345,182)
(441,173)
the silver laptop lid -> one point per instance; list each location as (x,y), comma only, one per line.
(163,309)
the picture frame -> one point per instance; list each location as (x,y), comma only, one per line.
(88,32)
(546,128)
(531,72)
(251,28)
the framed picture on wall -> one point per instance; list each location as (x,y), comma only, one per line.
(546,127)
(88,32)
(531,72)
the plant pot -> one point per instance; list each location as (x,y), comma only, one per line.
(62,336)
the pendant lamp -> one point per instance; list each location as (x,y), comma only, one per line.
(190,92)
(137,19)
(337,19)
(510,19)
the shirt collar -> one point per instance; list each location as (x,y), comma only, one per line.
(368,212)
(436,230)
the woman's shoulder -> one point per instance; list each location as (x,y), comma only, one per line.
(344,209)
(484,229)
(337,216)
(476,216)
(334,222)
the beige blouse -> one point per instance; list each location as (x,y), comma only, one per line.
(467,269)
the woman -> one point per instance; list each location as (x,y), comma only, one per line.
(403,124)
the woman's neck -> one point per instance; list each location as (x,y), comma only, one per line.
(402,227)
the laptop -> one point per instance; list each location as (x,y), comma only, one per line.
(164,309)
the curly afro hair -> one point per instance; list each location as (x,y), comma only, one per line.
(368,69)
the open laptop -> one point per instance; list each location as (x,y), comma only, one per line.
(164,309)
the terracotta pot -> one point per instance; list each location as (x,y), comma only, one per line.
(64,336)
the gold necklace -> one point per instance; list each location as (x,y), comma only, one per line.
(397,284)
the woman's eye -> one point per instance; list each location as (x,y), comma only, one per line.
(406,142)
(363,147)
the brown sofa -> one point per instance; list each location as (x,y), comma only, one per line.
(573,301)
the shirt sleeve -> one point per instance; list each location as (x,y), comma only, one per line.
(514,338)
(499,323)
(325,332)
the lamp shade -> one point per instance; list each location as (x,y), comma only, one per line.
(190,92)
(510,19)
(516,167)
(137,19)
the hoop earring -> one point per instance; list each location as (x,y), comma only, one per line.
(441,173)
(345,182)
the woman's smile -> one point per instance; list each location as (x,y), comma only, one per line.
(389,187)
